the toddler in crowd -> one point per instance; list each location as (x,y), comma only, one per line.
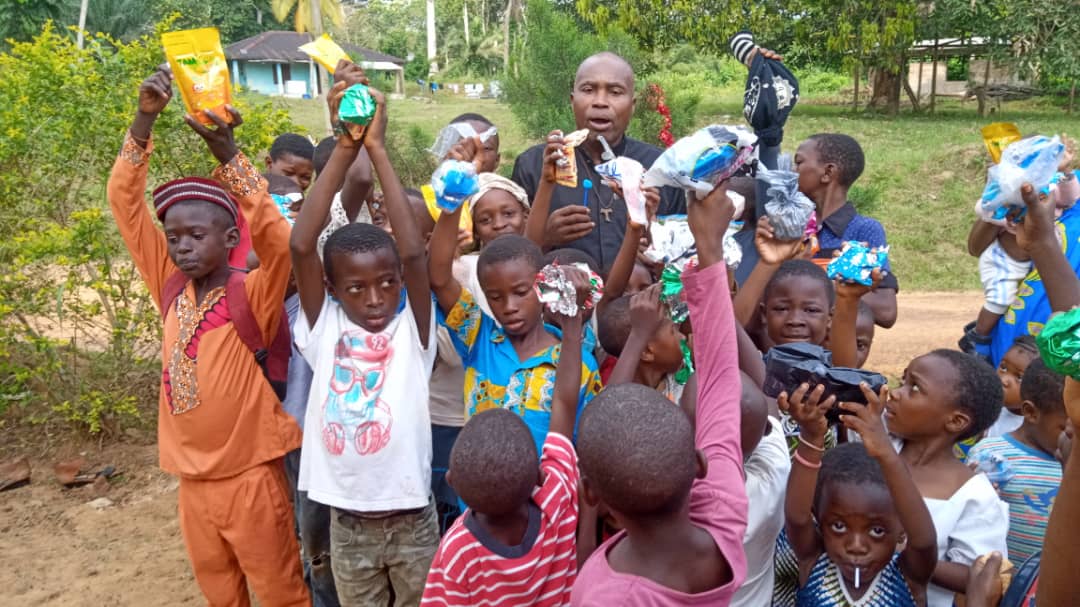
(845,524)
(292,156)
(1021,463)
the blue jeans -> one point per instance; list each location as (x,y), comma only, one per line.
(446,501)
(313,526)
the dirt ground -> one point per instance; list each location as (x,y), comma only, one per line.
(57,549)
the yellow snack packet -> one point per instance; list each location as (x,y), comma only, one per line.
(199,67)
(566,174)
(325,51)
(435,211)
(998,136)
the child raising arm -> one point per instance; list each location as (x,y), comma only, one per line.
(410,245)
(844,518)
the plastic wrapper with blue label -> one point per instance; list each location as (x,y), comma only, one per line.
(698,162)
(1032,160)
(790,365)
(857,262)
(453,182)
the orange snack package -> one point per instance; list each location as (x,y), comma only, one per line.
(998,136)
(199,67)
(325,51)
(566,173)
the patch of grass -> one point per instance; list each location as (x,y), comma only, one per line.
(923,173)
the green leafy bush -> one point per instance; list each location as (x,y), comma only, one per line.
(78,333)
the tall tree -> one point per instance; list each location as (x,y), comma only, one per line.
(302,21)
(21,20)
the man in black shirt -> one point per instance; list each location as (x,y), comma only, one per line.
(603,102)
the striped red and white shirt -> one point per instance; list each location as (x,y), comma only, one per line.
(472,568)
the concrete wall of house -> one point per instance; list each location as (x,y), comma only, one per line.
(268,78)
(949,88)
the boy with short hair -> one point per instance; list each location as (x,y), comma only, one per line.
(828,165)
(221,428)
(1021,464)
(367,330)
(638,330)
(510,357)
(291,155)
(515,544)
(638,458)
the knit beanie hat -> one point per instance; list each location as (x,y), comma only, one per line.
(771,91)
(192,188)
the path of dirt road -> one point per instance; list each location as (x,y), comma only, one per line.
(58,550)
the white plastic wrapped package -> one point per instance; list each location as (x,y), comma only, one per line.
(627,174)
(673,242)
(698,162)
(788,209)
(451,134)
(1032,160)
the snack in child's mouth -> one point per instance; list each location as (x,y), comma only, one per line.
(566,169)
(199,67)
(356,110)
(325,51)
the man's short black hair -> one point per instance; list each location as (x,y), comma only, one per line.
(355,238)
(613,326)
(509,247)
(636,450)
(843,151)
(1044,387)
(322,153)
(850,464)
(567,256)
(1026,343)
(471,117)
(291,143)
(977,390)
(493,465)
(801,267)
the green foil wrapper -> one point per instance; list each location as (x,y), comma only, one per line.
(357,106)
(1059,343)
(683,374)
(671,288)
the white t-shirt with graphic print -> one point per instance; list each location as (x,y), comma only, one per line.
(367,432)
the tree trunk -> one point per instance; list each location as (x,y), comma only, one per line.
(506,34)
(855,96)
(1072,96)
(432,51)
(933,79)
(885,86)
(317,76)
(912,95)
(465,9)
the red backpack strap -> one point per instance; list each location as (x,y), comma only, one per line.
(274,360)
(243,320)
(174,286)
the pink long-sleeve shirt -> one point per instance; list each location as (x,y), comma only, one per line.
(718,501)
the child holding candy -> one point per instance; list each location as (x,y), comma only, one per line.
(510,355)
(847,511)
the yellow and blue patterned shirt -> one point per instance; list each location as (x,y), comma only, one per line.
(496,377)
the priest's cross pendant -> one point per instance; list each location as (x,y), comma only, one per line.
(607,214)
